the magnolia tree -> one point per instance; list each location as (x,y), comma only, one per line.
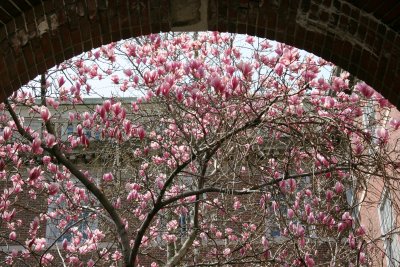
(228,152)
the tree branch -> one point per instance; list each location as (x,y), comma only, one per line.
(55,151)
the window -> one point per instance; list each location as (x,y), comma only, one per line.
(88,133)
(274,230)
(70,129)
(388,223)
(278,211)
(54,233)
(352,201)
(60,225)
(184,224)
(369,116)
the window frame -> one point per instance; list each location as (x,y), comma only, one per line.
(390,240)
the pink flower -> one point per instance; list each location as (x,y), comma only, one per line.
(127,126)
(249,39)
(300,230)
(169,238)
(13,236)
(47,259)
(7,133)
(361,230)
(36,146)
(172,225)
(128,72)
(309,261)
(338,187)
(279,69)
(308,192)
(382,134)
(363,259)
(116,256)
(290,213)
(358,149)
(150,77)
(50,140)
(292,184)
(8,215)
(352,241)
(329,195)
(341,226)
(34,173)
(45,113)
(311,218)
(265,243)
(245,68)
(226,252)
(40,244)
(307,208)
(116,108)
(260,140)
(108,177)
(365,89)
(218,84)
(395,123)
(228,231)
(53,188)
(46,160)
(107,105)
(90,263)
(141,133)
(179,95)
(237,204)
(329,102)
(61,81)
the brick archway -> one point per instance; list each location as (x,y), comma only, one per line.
(358,35)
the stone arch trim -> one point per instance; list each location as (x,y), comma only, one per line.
(359,36)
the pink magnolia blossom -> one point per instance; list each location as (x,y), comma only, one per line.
(395,123)
(90,263)
(309,260)
(12,236)
(53,188)
(338,187)
(34,173)
(7,133)
(227,252)
(366,90)
(237,204)
(363,258)
(172,225)
(40,244)
(61,81)
(352,241)
(108,177)
(36,146)
(245,68)
(169,238)
(50,140)
(290,213)
(382,134)
(47,259)
(45,113)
